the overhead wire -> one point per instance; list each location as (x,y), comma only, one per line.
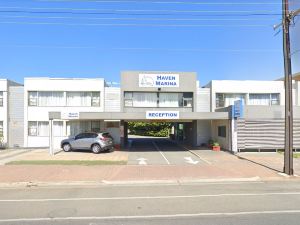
(166,2)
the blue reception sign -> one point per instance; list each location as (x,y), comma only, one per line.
(159,115)
(238,109)
(158,80)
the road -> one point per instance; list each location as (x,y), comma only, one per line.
(151,151)
(243,203)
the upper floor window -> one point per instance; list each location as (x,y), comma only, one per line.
(46,98)
(264,99)
(1,98)
(32,98)
(158,99)
(51,98)
(83,98)
(140,99)
(59,98)
(227,99)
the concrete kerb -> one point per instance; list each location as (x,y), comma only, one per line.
(104,183)
(127,183)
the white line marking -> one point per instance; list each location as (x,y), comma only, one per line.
(194,153)
(190,160)
(154,216)
(157,148)
(151,197)
(142,161)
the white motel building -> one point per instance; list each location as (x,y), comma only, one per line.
(241,115)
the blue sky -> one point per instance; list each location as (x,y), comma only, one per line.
(68,38)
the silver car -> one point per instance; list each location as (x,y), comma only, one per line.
(97,142)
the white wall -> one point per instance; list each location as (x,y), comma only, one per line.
(4,108)
(36,113)
(245,87)
(203,131)
(203,100)
(112,99)
(224,142)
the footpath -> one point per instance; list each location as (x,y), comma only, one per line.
(219,166)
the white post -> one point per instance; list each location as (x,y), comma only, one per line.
(234,147)
(51,152)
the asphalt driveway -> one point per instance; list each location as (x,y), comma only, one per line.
(150,151)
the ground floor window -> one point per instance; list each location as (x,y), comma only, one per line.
(75,127)
(222,131)
(1,129)
(38,128)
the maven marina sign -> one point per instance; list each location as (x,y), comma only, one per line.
(158,80)
(158,115)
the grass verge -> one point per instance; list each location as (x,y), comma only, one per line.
(67,162)
(295,154)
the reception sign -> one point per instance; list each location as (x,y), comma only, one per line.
(161,115)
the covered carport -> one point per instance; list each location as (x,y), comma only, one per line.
(195,122)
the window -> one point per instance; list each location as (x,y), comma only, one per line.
(32,98)
(38,128)
(58,129)
(95,98)
(51,98)
(275,99)
(187,100)
(158,99)
(32,128)
(1,129)
(168,100)
(224,100)
(140,99)
(46,98)
(264,99)
(222,131)
(1,98)
(83,98)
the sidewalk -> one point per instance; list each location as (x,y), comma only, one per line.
(223,170)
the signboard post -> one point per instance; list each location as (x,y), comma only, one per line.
(237,111)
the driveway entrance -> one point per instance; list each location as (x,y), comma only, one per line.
(159,151)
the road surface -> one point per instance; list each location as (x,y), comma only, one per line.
(243,203)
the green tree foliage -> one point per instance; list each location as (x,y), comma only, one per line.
(150,129)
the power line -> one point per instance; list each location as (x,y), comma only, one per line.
(166,2)
(142,10)
(139,19)
(136,14)
(139,25)
(143,49)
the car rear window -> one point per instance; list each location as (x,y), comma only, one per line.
(107,135)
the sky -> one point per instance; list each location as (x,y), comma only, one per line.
(218,39)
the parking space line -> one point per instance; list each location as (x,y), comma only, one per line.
(158,149)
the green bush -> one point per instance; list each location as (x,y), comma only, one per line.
(150,129)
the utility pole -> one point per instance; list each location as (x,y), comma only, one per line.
(288,153)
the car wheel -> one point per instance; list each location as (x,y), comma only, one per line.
(96,148)
(67,147)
